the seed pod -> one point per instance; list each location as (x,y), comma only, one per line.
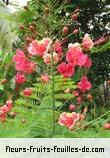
(72,107)
(107,126)
(65,30)
(89,97)
(74,17)
(29,39)
(26,7)
(22,27)
(32,28)
(13,114)
(46,11)
(4,81)
(76,31)
(85,110)
(108,82)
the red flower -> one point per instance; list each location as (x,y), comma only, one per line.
(29,67)
(4,110)
(58,48)
(20,56)
(75,55)
(68,119)
(22,63)
(87,42)
(28,92)
(7,107)
(20,78)
(39,47)
(81,59)
(84,85)
(88,62)
(67,70)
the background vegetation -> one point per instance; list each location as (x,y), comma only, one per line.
(34,114)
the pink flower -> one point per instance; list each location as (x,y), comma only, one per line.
(4,110)
(79,100)
(35,48)
(67,70)
(81,59)
(39,47)
(84,85)
(75,93)
(88,62)
(29,67)
(48,57)
(68,119)
(87,43)
(19,56)
(44,78)
(22,63)
(58,48)
(28,92)
(72,107)
(7,107)
(20,78)
(20,60)
(75,55)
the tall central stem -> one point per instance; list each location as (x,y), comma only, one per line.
(53,91)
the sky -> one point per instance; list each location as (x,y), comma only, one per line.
(22,2)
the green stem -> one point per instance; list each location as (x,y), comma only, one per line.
(53,92)
(92,121)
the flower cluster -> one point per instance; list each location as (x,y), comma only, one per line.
(4,110)
(75,57)
(23,66)
(70,119)
(47,50)
(22,63)
(67,70)
(41,49)
(84,85)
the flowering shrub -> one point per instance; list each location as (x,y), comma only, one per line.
(66,64)
(50,73)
